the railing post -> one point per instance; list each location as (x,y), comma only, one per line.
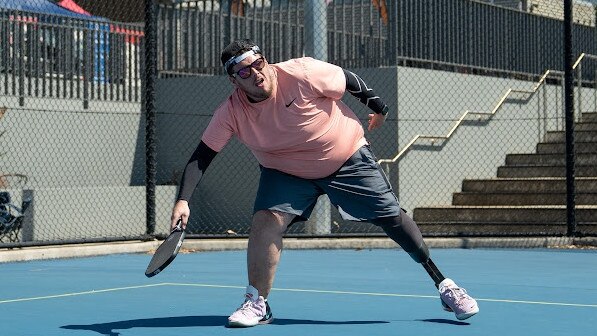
(393,32)
(594,91)
(86,65)
(544,112)
(578,114)
(21,61)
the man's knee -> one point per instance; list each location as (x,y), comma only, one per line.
(404,231)
(271,220)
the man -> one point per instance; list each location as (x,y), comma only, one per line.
(307,142)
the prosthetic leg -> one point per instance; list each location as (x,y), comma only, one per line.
(404,231)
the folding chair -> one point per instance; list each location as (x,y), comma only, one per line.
(11,218)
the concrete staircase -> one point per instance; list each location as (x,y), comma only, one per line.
(528,196)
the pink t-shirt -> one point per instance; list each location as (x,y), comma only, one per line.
(310,138)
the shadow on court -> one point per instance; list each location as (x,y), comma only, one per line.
(444,321)
(189,321)
(162,322)
(295,321)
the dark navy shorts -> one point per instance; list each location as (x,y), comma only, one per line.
(359,190)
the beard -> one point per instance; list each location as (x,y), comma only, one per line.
(259,93)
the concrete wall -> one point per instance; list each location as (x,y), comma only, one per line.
(425,101)
(85,168)
(57,143)
(91,212)
(429,174)
(85,165)
(227,191)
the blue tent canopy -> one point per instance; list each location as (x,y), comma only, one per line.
(43,7)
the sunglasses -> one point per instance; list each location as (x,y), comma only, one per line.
(245,72)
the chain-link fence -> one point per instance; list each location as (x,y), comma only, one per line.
(474,144)
(72,146)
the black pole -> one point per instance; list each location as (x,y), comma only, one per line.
(150,82)
(569,113)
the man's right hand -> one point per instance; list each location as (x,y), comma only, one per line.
(180,211)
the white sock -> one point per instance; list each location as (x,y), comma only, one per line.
(252,293)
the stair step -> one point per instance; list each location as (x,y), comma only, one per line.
(502,220)
(586,126)
(528,185)
(584,159)
(475,229)
(503,214)
(560,147)
(519,199)
(528,197)
(544,171)
(589,117)
(581,136)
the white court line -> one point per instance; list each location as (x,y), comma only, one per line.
(289,290)
(79,293)
(391,295)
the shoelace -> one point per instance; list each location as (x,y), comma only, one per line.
(246,308)
(458,294)
(245,305)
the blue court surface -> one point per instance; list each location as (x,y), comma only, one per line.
(316,292)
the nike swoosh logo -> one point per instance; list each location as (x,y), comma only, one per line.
(292,101)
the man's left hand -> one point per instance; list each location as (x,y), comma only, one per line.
(376,120)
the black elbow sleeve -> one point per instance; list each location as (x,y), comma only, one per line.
(360,90)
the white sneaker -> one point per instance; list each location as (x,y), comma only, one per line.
(455,299)
(255,310)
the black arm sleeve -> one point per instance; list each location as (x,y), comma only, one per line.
(358,88)
(194,170)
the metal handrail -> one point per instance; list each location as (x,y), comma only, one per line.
(498,106)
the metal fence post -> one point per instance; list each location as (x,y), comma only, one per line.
(569,110)
(150,84)
(316,42)
(316,47)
